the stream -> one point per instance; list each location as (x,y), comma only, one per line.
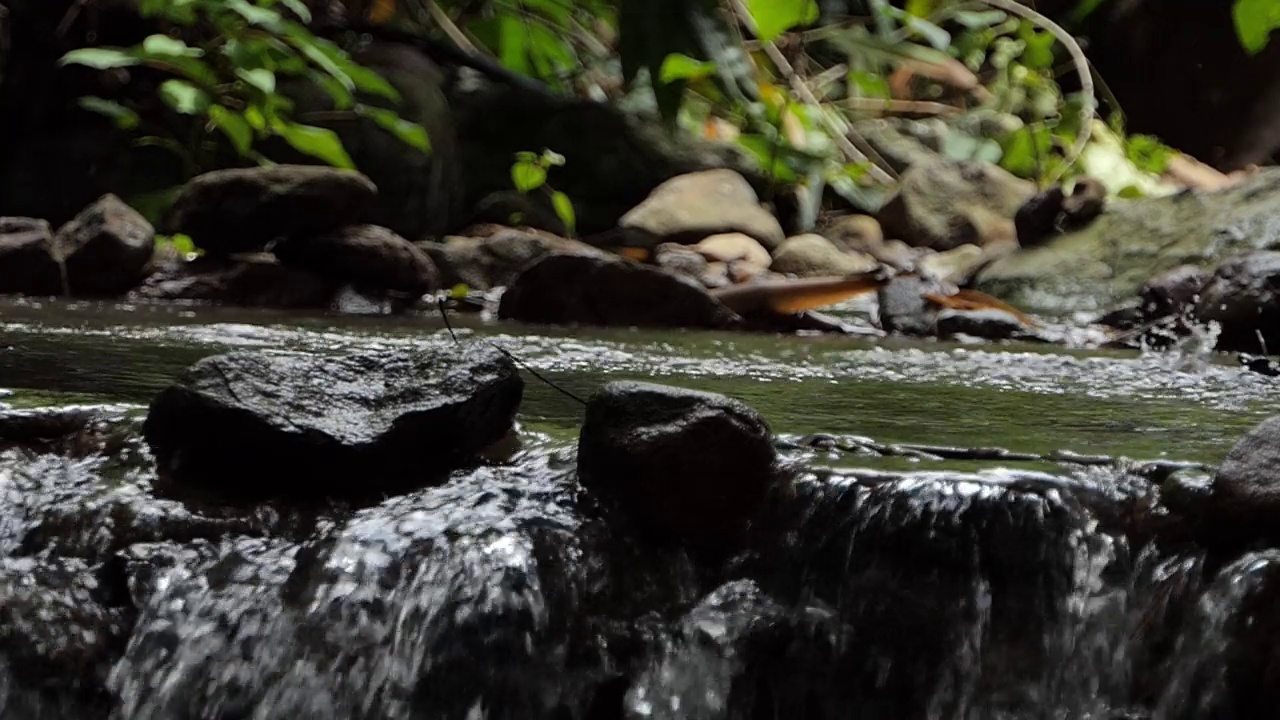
(893,586)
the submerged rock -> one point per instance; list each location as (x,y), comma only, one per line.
(685,465)
(689,208)
(106,248)
(27,262)
(367,256)
(811,255)
(239,210)
(257,281)
(251,425)
(593,290)
(494,260)
(1105,263)
(1243,297)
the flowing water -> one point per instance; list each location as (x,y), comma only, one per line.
(894,582)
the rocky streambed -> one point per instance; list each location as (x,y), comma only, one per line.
(231,515)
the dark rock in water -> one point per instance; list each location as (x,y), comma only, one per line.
(27,262)
(367,256)
(988,324)
(239,210)
(251,282)
(1173,291)
(585,290)
(252,425)
(73,431)
(494,260)
(1245,501)
(1260,364)
(106,248)
(685,465)
(1038,217)
(903,308)
(56,632)
(1243,296)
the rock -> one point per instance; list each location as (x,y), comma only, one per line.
(239,210)
(1243,296)
(685,261)
(903,308)
(812,255)
(1244,503)
(988,324)
(862,234)
(484,263)
(254,425)
(590,290)
(1173,291)
(256,281)
(106,248)
(27,262)
(690,208)
(1105,263)
(684,465)
(954,266)
(73,431)
(367,256)
(734,248)
(943,203)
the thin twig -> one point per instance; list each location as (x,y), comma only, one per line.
(903,107)
(447,25)
(884,173)
(1082,69)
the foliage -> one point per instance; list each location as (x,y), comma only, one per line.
(1255,20)
(529,173)
(227,79)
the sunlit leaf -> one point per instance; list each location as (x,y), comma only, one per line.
(183,97)
(234,126)
(528,176)
(262,79)
(255,14)
(775,17)
(124,118)
(1255,20)
(317,142)
(100,58)
(564,210)
(298,8)
(410,133)
(678,66)
(163,45)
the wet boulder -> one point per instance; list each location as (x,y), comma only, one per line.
(689,208)
(495,258)
(811,255)
(1244,502)
(1173,291)
(27,262)
(367,256)
(253,425)
(609,291)
(76,431)
(239,210)
(250,281)
(683,260)
(1243,297)
(686,466)
(107,248)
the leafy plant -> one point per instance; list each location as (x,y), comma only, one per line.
(529,173)
(1255,20)
(227,78)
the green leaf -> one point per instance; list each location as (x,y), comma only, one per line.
(165,46)
(1148,154)
(100,58)
(262,79)
(551,158)
(459,291)
(410,133)
(678,66)
(1038,54)
(298,8)
(124,118)
(528,176)
(513,43)
(1255,20)
(564,209)
(316,142)
(234,126)
(775,17)
(183,97)
(255,14)
(980,18)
